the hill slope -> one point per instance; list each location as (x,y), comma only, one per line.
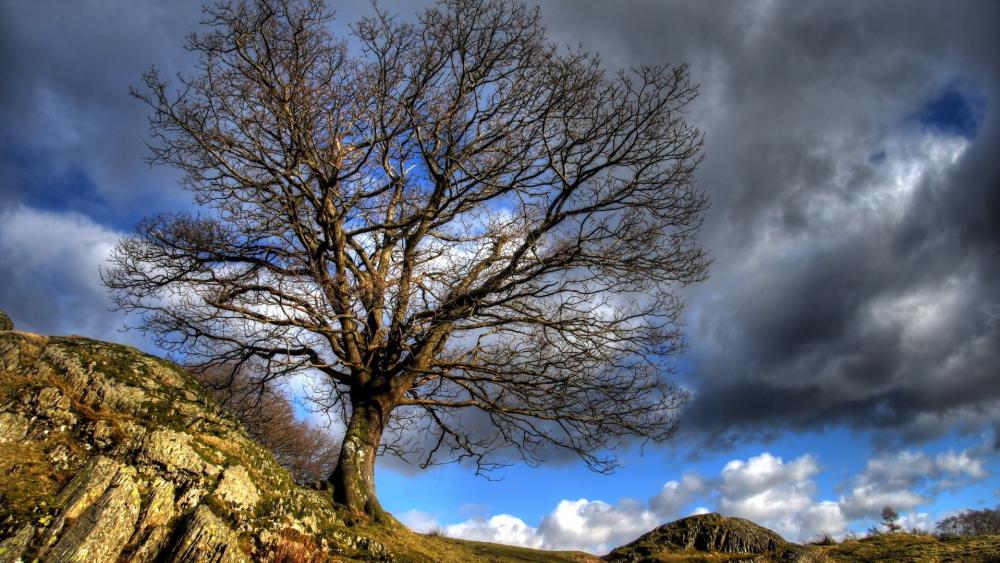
(108,454)
(726,538)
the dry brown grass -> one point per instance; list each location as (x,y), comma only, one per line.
(410,547)
(294,547)
(915,547)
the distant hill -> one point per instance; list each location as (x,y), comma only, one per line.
(727,538)
(108,454)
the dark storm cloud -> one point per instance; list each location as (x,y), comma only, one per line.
(66,113)
(851,158)
(72,143)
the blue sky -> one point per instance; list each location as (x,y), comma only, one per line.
(851,323)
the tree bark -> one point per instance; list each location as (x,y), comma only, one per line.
(354,478)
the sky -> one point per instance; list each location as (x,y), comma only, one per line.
(843,355)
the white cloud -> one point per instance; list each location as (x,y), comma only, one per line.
(762,473)
(47,243)
(960,463)
(891,480)
(595,526)
(866,501)
(581,524)
(916,521)
(418,521)
(675,495)
(778,495)
(763,488)
(502,528)
(50,273)
(825,517)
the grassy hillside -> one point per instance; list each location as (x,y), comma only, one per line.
(114,453)
(425,548)
(110,452)
(915,547)
(887,548)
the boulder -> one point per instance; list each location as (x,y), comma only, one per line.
(100,533)
(87,485)
(172,451)
(160,508)
(207,539)
(119,456)
(237,488)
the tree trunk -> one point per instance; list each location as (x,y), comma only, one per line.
(354,478)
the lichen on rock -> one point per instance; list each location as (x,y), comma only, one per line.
(114,455)
(237,488)
(207,539)
(13,427)
(173,452)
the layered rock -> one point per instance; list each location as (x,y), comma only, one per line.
(110,455)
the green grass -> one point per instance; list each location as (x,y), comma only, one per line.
(915,547)
(31,481)
(410,547)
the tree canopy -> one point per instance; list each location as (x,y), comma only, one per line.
(472,236)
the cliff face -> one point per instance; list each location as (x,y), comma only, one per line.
(108,454)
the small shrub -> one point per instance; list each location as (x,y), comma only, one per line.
(890,519)
(437,532)
(824,539)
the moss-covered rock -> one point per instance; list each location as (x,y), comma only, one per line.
(237,488)
(207,539)
(102,529)
(110,454)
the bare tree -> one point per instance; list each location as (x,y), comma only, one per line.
(890,519)
(472,235)
(971,523)
(308,452)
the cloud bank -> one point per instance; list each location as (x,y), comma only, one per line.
(781,495)
(57,256)
(850,157)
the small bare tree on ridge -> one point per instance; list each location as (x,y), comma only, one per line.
(471,236)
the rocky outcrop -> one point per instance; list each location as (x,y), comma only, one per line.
(711,533)
(99,532)
(108,454)
(172,452)
(207,538)
(237,488)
